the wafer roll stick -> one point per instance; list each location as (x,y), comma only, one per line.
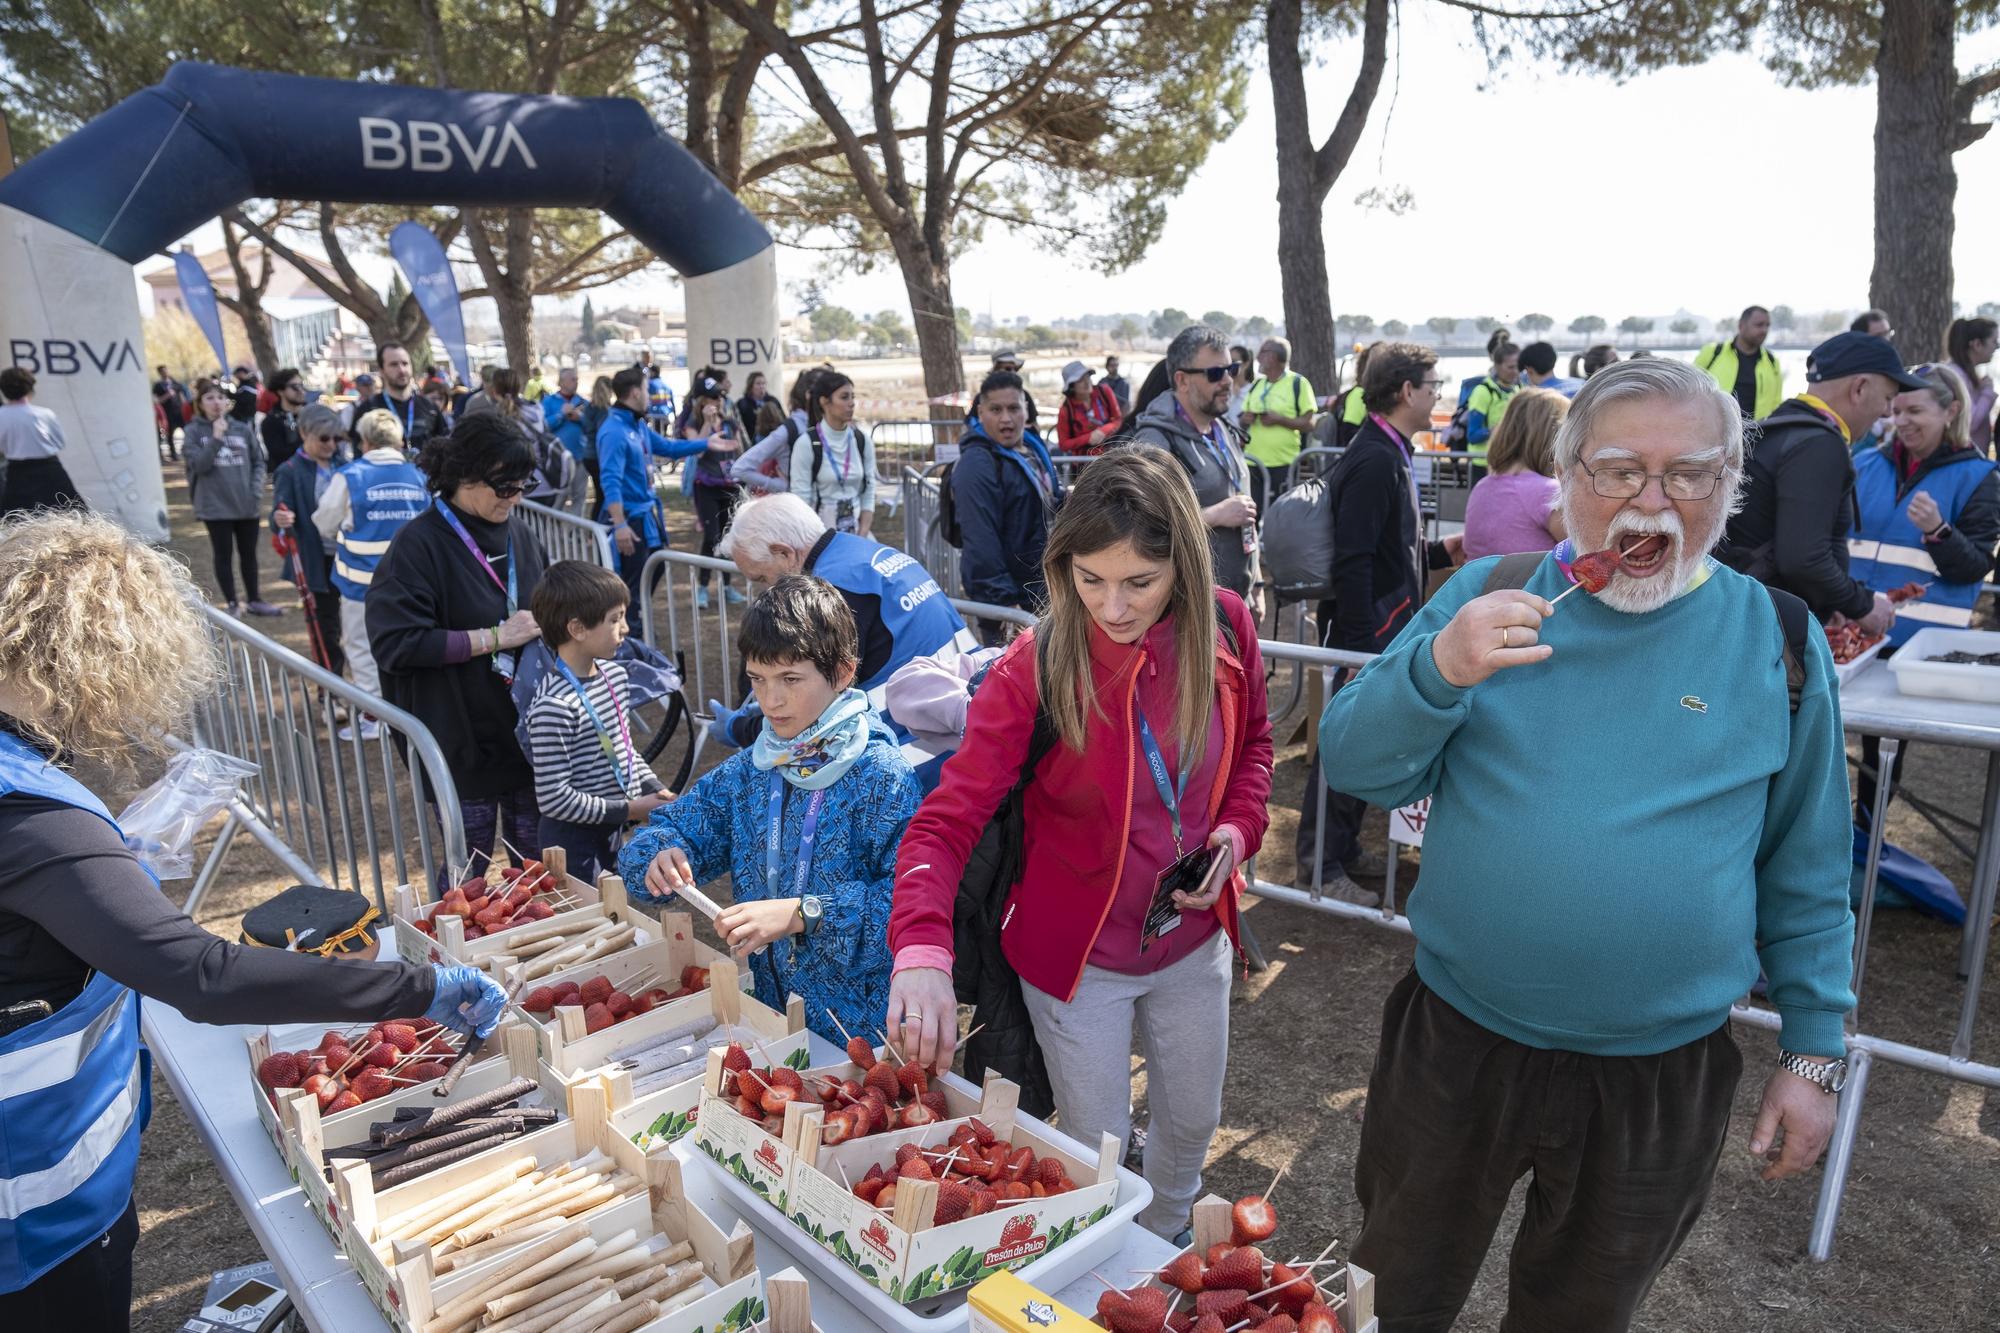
(613,1259)
(677,1280)
(390,1133)
(443,1259)
(525,1269)
(555,1309)
(437,1228)
(633,1283)
(534,1208)
(627,1317)
(500,1178)
(554,1186)
(588,1315)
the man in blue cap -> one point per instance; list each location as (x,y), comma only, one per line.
(1798,486)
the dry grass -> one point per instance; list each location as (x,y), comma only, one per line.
(1916,1248)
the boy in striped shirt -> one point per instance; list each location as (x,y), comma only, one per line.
(590,780)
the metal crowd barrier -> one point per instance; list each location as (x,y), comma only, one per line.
(923,494)
(569,536)
(334,811)
(1863,1049)
(901,444)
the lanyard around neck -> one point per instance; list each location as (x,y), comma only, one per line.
(1218,446)
(624,764)
(1156,764)
(774,838)
(842,465)
(509,585)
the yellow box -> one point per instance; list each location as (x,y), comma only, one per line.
(1004,1303)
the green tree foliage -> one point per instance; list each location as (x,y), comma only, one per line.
(1442,325)
(1536,323)
(1587,325)
(833,323)
(1355,324)
(1782,318)
(1171,321)
(1394,328)
(1221,321)
(1036,337)
(1685,325)
(1125,331)
(1635,325)
(1256,327)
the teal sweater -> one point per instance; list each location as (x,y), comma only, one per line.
(1620,833)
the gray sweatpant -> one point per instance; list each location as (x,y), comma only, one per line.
(354,637)
(1182,1014)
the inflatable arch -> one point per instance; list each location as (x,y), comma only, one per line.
(74,220)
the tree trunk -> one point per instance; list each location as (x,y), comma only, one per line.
(1306,173)
(927,279)
(248,304)
(1915,183)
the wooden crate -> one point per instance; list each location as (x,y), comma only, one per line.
(306,1134)
(565,1043)
(595,902)
(1212,1227)
(401,1277)
(905,1253)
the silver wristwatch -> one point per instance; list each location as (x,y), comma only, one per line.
(1830,1076)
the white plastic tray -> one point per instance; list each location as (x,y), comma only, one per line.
(1947,680)
(1846,671)
(1050,1273)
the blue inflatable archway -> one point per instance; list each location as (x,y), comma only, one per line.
(162,162)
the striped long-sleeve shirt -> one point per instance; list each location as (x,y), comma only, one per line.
(576,780)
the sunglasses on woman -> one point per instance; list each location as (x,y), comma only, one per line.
(507,490)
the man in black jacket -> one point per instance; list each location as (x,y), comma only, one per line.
(1381,564)
(418,415)
(1798,485)
(280,428)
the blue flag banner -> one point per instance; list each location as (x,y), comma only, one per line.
(424,263)
(198,295)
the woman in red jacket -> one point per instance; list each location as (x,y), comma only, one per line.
(1089,415)
(1136,821)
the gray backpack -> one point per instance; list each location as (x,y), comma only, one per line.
(1298,539)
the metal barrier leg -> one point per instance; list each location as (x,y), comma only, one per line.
(1253,952)
(212,867)
(1839,1157)
(1979,913)
(1878,823)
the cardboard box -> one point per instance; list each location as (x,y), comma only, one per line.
(763,1160)
(908,1256)
(401,1279)
(1004,1303)
(1211,1226)
(595,903)
(305,1134)
(652,1123)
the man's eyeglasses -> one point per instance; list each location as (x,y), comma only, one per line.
(1216,374)
(1624,483)
(1435,386)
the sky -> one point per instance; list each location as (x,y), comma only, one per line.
(1708,188)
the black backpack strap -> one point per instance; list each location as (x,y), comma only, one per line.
(1513,571)
(1794,618)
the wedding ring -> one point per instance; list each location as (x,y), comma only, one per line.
(1504,629)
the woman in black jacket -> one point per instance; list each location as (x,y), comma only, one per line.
(448,614)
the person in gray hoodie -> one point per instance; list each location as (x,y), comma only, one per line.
(225,470)
(1190,421)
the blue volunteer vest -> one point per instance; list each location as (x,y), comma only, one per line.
(920,618)
(1886,550)
(74,1092)
(381,498)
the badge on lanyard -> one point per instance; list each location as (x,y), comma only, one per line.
(1190,870)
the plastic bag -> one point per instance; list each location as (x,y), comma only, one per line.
(161,822)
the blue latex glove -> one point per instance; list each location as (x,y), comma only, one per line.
(467,1000)
(722,727)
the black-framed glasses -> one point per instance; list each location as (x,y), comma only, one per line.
(507,490)
(1617,482)
(1215,374)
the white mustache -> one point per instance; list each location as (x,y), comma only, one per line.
(1665,523)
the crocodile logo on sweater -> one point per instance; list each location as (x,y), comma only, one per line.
(1693,703)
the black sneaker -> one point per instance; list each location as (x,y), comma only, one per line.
(1135,1151)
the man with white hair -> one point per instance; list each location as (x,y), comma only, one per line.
(1637,799)
(900,612)
(1278,410)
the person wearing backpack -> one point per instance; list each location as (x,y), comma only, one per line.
(765,468)
(833,463)
(1191,423)
(1138,804)
(1003,491)
(1637,798)
(1381,564)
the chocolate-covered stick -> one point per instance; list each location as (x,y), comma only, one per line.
(470,1131)
(391,1133)
(473,1046)
(396,1175)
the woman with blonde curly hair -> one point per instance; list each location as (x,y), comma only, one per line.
(101,654)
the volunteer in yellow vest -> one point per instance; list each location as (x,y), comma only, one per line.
(1744,368)
(1488,402)
(1277,411)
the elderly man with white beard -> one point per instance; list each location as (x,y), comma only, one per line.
(1628,818)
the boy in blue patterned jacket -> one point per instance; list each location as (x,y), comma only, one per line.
(805,822)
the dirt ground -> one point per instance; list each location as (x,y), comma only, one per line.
(1916,1247)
